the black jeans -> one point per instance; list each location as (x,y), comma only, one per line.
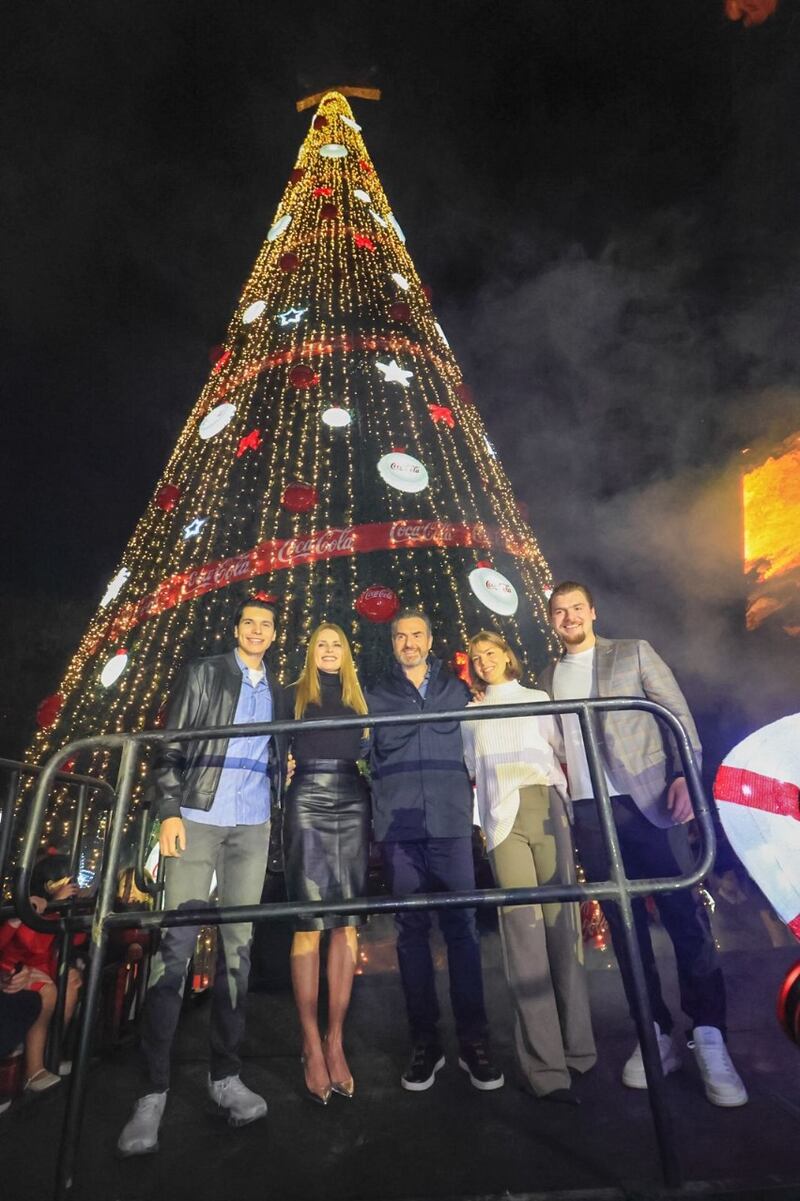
(647,852)
(437,865)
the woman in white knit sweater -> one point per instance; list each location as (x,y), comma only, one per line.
(521,795)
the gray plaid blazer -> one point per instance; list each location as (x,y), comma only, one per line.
(640,759)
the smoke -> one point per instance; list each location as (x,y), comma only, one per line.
(620,397)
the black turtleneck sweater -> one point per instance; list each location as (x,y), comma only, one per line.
(326,744)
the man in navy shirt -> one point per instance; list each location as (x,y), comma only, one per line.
(422,813)
(213,799)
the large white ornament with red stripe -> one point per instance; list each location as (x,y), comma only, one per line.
(494,590)
(757,791)
(403,472)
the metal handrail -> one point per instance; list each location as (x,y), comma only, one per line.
(618,888)
(85,786)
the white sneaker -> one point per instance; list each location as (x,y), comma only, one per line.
(722,1082)
(633,1073)
(240,1103)
(140,1135)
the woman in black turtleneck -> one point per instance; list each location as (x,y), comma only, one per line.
(326,842)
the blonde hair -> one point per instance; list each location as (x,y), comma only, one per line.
(308,690)
(513,667)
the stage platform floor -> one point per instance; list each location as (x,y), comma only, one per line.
(452,1141)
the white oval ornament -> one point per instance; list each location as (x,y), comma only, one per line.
(351,123)
(400,280)
(333,150)
(363,196)
(390,217)
(403,472)
(377,217)
(336,417)
(216,420)
(280,227)
(440,332)
(253,312)
(114,668)
(757,794)
(494,590)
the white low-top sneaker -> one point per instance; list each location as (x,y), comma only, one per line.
(633,1073)
(239,1102)
(140,1135)
(722,1082)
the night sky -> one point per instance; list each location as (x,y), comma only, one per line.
(604,197)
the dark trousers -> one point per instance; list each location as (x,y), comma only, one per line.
(238,855)
(437,865)
(647,851)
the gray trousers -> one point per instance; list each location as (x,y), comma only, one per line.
(238,854)
(542,946)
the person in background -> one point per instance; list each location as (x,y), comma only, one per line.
(36,953)
(20,1007)
(521,796)
(422,814)
(213,800)
(326,843)
(651,805)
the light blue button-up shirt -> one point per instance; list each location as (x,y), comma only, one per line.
(242,796)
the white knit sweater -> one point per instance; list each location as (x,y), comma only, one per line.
(509,753)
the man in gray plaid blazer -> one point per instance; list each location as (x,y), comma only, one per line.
(651,806)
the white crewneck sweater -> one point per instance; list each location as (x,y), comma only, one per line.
(506,754)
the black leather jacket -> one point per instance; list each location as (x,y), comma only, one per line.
(206,694)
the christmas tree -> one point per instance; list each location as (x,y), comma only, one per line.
(334,460)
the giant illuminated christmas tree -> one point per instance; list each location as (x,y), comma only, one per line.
(334,459)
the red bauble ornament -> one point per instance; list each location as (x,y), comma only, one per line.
(320,121)
(296,174)
(427,292)
(299,497)
(167,497)
(328,212)
(378,603)
(399,311)
(288,261)
(49,710)
(303,376)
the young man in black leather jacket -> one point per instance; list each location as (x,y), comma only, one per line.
(213,799)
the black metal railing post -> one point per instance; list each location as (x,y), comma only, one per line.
(7,825)
(642,1012)
(55,1040)
(91,992)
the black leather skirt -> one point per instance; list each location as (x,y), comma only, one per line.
(326,837)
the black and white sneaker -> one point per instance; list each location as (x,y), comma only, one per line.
(426,1060)
(483,1074)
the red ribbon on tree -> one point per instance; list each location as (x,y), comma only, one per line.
(49,710)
